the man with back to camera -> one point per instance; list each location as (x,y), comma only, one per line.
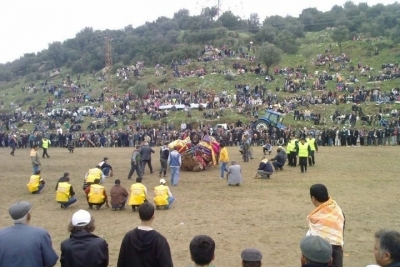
(93,174)
(138,194)
(251,257)
(315,252)
(163,195)
(145,153)
(174,162)
(202,250)
(65,194)
(24,245)
(118,195)
(387,248)
(143,246)
(327,221)
(96,195)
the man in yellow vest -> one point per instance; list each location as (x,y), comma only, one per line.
(65,194)
(163,196)
(303,151)
(314,147)
(45,145)
(35,158)
(92,175)
(96,195)
(138,194)
(292,146)
(36,183)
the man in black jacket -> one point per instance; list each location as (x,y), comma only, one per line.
(145,153)
(143,246)
(83,248)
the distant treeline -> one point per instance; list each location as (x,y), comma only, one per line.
(184,36)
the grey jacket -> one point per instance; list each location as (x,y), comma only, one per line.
(145,152)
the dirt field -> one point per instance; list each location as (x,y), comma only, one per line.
(266,214)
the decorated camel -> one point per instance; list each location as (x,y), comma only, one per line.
(197,155)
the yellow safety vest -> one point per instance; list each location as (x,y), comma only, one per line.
(303,150)
(93,174)
(161,195)
(96,194)
(137,194)
(63,191)
(289,147)
(45,143)
(33,184)
(311,142)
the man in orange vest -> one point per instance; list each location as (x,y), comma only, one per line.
(96,195)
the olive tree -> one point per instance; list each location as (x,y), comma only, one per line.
(269,55)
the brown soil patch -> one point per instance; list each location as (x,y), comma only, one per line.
(269,215)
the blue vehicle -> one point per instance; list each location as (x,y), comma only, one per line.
(272,118)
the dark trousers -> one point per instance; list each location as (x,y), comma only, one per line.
(148,163)
(277,165)
(134,167)
(45,153)
(98,205)
(337,256)
(293,159)
(303,164)
(13,150)
(163,166)
(311,158)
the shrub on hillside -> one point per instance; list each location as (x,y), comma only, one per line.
(229,76)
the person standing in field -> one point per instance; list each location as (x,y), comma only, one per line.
(136,163)
(223,160)
(303,151)
(174,163)
(145,153)
(13,144)
(327,221)
(45,145)
(35,158)
(164,154)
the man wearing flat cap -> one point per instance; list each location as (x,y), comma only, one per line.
(24,245)
(251,257)
(315,251)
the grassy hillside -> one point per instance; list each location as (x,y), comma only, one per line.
(311,45)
